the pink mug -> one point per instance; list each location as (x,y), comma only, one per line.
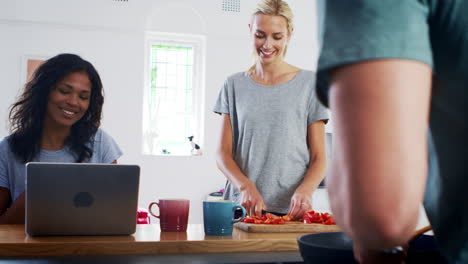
(173,214)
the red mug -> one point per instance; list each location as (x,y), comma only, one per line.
(173,214)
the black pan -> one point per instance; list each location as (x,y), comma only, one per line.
(332,247)
(336,247)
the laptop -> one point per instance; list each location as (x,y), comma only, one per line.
(81,199)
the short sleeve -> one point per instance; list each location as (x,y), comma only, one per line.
(316,112)
(222,103)
(360,30)
(106,148)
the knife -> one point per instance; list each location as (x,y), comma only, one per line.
(273,213)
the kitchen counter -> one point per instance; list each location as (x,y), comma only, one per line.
(150,241)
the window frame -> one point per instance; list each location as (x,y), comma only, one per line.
(198,43)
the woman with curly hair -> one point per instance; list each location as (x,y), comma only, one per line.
(56,119)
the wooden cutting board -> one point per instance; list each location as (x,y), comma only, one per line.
(289,227)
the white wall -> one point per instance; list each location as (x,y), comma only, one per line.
(110,35)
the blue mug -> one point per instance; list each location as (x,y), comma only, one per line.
(218,217)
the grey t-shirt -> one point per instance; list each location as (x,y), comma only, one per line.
(269,127)
(12,170)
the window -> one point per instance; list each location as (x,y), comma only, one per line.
(173,96)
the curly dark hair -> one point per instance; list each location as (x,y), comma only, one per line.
(27,114)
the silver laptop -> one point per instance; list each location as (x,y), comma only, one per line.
(81,199)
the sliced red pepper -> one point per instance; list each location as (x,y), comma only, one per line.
(248,220)
(279,221)
(310,214)
(268,216)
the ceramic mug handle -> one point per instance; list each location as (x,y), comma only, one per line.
(236,207)
(149,209)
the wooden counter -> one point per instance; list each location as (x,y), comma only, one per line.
(148,240)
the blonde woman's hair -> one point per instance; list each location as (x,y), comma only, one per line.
(273,8)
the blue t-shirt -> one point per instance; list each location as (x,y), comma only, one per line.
(434,32)
(12,171)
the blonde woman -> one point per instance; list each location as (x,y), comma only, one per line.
(272,145)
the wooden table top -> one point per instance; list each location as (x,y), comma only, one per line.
(147,240)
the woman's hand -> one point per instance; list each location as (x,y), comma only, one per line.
(300,204)
(301,199)
(15,214)
(251,199)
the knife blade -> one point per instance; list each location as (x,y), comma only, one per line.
(273,213)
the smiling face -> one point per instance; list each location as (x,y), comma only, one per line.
(68,100)
(271,36)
